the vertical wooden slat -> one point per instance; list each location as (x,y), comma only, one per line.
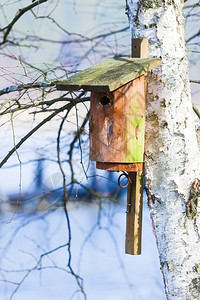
(135,188)
(134,214)
(139,48)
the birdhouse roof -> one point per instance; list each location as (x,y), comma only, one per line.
(109,74)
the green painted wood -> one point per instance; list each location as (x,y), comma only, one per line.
(109,74)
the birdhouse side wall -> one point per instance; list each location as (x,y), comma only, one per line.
(117,121)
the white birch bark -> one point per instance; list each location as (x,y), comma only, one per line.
(172,155)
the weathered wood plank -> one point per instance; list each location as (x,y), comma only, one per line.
(135,189)
(76,81)
(117,126)
(140,47)
(117,167)
(115,78)
(135,130)
(134,214)
(109,74)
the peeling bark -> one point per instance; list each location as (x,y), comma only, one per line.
(172,155)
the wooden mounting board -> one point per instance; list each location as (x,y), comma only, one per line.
(109,74)
(134,214)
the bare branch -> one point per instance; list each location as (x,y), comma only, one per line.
(19,14)
(48,103)
(35,267)
(196,110)
(192,37)
(65,201)
(81,39)
(31,85)
(192,5)
(57,111)
(195,81)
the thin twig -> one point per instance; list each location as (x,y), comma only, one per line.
(20,171)
(32,85)
(78,136)
(72,144)
(82,39)
(35,267)
(20,13)
(195,81)
(57,111)
(196,110)
(40,103)
(193,36)
(65,200)
(192,5)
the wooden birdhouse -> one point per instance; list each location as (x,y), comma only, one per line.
(117,115)
(117,120)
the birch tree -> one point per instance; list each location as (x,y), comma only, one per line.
(172,154)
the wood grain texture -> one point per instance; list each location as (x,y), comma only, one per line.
(140,47)
(109,74)
(134,214)
(117,167)
(117,128)
(135,188)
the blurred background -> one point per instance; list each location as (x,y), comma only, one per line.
(52,41)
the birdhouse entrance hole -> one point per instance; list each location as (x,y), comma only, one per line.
(105,101)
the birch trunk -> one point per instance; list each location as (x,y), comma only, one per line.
(172,155)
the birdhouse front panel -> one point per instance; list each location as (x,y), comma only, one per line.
(117,121)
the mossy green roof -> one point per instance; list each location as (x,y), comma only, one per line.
(109,74)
